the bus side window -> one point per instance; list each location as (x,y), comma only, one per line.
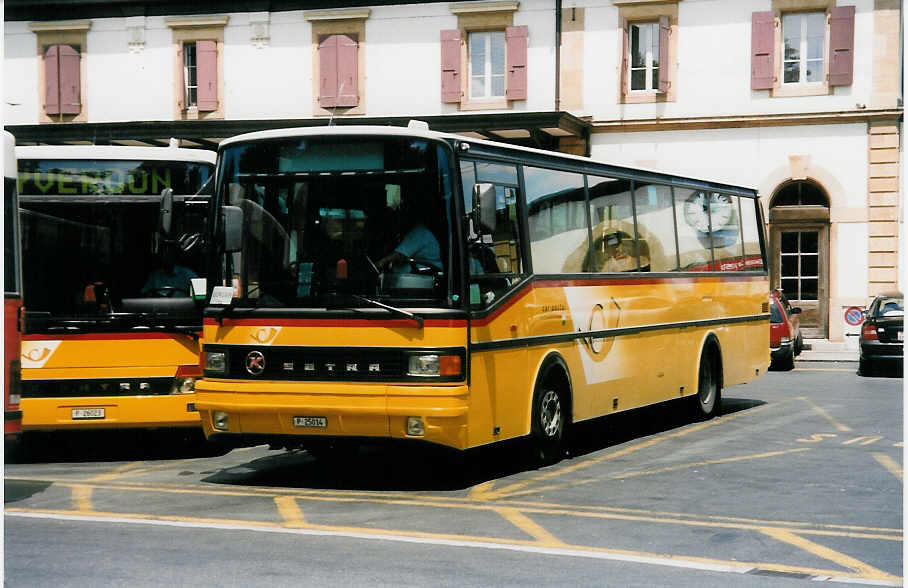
(614,247)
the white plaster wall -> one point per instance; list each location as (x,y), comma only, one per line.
(852,273)
(713,61)
(20,75)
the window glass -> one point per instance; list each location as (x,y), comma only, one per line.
(753,258)
(614,246)
(692,218)
(559,239)
(11,239)
(81,177)
(644,61)
(803,47)
(493,253)
(655,227)
(190,74)
(726,233)
(487,64)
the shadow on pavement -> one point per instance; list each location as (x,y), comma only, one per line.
(405,466)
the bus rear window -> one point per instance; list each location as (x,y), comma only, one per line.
(77,177)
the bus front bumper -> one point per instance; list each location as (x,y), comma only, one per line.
(109,412)
(334,410)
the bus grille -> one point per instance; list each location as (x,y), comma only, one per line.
(97,387)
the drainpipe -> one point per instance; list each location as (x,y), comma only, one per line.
(557,55)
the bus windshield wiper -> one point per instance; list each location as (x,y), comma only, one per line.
(394,310)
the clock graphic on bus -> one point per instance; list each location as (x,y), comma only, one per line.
(700,206)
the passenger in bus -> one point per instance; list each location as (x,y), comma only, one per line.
(614,252)
(171,280)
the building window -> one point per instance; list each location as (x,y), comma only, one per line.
(61,75)
(62,80)
(644,62)
(190,77)
(803,47)
(487,63)
(338,71)
(338,60)
(198,84)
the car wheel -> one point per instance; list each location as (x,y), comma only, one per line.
(865,368)
(548,422)
(799,345)
(788,363)
(709,392)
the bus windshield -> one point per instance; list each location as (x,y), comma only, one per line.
(336,220)
(81,177)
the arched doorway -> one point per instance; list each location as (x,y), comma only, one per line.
(799,251)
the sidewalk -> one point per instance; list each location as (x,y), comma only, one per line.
(825,350)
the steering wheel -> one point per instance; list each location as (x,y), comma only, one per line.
(166,291)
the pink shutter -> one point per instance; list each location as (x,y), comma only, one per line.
(625,51)
(450,66)
(347,75)
(327,67)
(516,40)
(70,81)
(841,45)
(664,32)
(181,104)
(52,80)
(207,74)
(762,50)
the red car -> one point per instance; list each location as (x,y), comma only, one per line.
(784,334)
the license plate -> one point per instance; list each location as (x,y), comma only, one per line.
(901,336)
(308,421)
(87,413)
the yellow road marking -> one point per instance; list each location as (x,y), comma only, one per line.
(800,369)
(481,491)
(529,526)
(116,472)
(863,440)
(890,464)
(863,569)
(290,511)
(393,534)
(826,415)
(816,437)
(82,498)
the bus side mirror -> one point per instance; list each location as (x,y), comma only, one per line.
(232,218)
(484,206)
(165,213)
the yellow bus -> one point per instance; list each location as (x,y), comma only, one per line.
(398,283)
(111,333)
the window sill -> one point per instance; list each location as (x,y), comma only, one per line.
(485,104)
(646,97)
(794,90)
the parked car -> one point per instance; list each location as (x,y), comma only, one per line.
(783,333)
(794,316)
(882,334)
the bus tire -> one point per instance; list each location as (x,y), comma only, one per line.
(709,385)
(549,418)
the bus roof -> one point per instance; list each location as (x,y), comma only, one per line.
(9,155)
(115,152)
(425,133)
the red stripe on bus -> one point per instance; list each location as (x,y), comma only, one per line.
(101,336)
(335,323)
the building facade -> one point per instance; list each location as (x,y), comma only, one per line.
(798,98)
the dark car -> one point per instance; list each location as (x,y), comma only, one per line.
(882,334)
(782,335)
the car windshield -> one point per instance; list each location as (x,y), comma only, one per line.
(331,220)
(890,307)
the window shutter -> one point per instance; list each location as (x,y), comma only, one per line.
(664,32)
(841,45)
(207,74)
(181,99)
(52,80)
(70,81)
(516,41)
(347,75)
(625,50)
(327,67)
(450,66)
(762,50)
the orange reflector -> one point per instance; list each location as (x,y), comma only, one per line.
(189,371)
(449,365)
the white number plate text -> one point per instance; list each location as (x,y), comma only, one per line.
(901,336)
(88,413)
(309,421)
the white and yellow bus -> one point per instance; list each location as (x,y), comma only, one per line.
(107,344)
(381,282)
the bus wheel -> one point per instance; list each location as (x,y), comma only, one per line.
(548,422)
(709,391)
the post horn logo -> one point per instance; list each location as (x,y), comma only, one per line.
(255,363)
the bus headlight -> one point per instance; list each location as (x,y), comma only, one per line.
(220,420)
(183,386)
(415,426)
(432,364)
(215,361)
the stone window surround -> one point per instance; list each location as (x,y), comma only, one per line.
(479,17)
(196,28)
(641,11)
(339,21)
(779,89)
(70,32)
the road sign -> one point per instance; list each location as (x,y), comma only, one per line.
(854,315)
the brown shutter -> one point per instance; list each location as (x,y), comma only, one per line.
(516,68)
(70,81)
(327,68)
(207,75)
(347,75)
(450,66)
(664,32)
(181,95)
(625,52)
(762,50)
(841,45)
(52,80)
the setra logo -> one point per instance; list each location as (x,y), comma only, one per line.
(255,363)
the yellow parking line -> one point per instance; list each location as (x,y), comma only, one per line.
(82,499)
(116,472)
(826,415)
(529,526)
(890,464)
(863,569)
(481,491)
(290,511)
